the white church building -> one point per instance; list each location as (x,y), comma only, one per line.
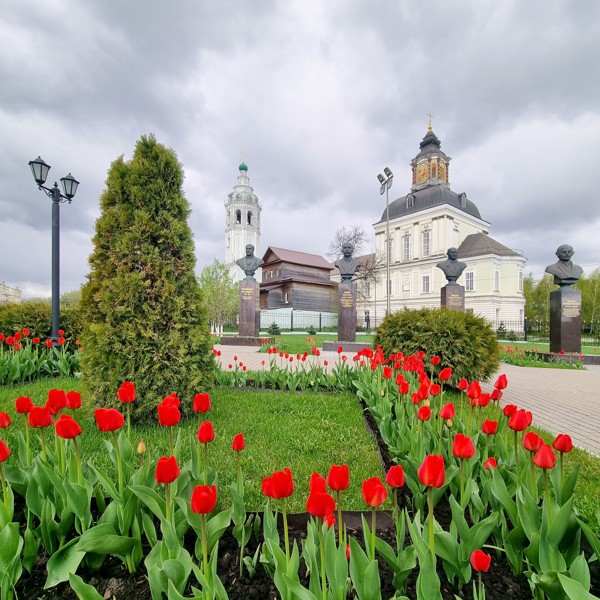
(423,224)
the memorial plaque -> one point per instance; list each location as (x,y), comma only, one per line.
(453,297)
(565,320)
(347,312)
(249,310)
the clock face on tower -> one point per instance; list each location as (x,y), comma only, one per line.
(422,173)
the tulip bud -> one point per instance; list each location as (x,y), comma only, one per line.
(141,449)
(448,422)
(426,402)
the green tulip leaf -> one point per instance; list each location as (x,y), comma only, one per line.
(574,589)
(62,563)
(83,590)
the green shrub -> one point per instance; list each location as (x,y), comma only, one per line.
(311,330)
(463,341)
(142,305)
(274,329)
(37,316)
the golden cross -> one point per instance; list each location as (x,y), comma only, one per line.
(430,119)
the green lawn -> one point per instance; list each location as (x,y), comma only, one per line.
(307,432)
(542,347)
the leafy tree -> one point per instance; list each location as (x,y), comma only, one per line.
(537,298)
(143,314)
(70,298)
(355,235)
(590,300)
(220,295)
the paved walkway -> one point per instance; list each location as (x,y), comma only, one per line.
(561,400)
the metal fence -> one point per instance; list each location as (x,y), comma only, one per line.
(539,331)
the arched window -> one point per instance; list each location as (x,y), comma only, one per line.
(249,217)
(410,201)
(238,216)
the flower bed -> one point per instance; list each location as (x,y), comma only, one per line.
(465,502)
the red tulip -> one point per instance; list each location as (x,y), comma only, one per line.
(18,335)
(238,443)
(520,420)
(23,404)
(509,410)
(60,341)
(171,400)
(435,360)
(490,463)
(445,374)
(431,472)
(404,388)
(282,484)
(206,433)
(67,427)
(167,470)
(317,483)
(463,446)
(338,478)
(474,390)
(4,451)
(204,499)
(374,493)
(49,344)
(61,332)
(201,403)
(424,413)
(266,487)
(496,395)
(463,384)
(36,340)
(73,400)
(107,419)
(320,504)
(330,520)
(57,400)
(447,411)
(501,382)
(563,443)
(387,372)
(395,476)
(39,416)
(4,420)
(545,457)
(532,441)
(126,392)
(168,413)
(26,331)
(435,389)
(480,561)
(489,427)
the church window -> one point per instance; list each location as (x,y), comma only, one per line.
(406,246)
(425,284)
(285,298)
(238,216)
(390,250)
(249,217)
(406,285)
(410,201)
(425,242)
(469,281)
(367,288)
(497,280)
(463,200)
(434,170)
(520,281)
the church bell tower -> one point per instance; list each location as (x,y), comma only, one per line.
(242,223)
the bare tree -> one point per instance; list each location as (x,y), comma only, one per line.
(370,268)
(355,235)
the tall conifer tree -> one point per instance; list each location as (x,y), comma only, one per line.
(143,315)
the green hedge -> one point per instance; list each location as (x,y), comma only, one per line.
(463,341)
(37,316)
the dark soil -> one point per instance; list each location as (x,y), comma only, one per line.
(114,581)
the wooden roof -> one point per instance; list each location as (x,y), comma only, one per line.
(274,255)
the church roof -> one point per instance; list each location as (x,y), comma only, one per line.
(274,254)
(428,197)
(478,244)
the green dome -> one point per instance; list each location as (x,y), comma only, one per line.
(243,167)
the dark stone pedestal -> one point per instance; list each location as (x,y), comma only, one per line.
(347,347)
(453,297)
(347,312)
(237,340)
(249,311)
(565,320)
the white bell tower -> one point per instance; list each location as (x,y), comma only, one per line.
(242,224)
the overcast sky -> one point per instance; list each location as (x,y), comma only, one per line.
(317,97)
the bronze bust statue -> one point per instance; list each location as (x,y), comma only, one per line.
(347,265)
(249,263)
(564,271)
(452,267)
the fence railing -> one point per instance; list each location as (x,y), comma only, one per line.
(539,331)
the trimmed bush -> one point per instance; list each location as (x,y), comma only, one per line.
(37,316)
(463,341)
(142,305)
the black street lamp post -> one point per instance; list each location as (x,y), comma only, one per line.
(386,184)
(69,185)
